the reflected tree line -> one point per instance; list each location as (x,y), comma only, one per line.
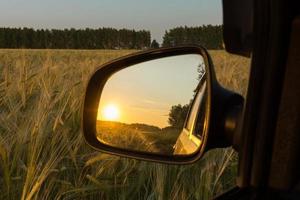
(178,113)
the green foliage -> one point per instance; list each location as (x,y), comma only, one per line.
(101,38)
(177,115)
(154,44)
(208,36)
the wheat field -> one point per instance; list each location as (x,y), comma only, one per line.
(42,151)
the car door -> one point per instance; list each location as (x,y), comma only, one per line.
(190,137)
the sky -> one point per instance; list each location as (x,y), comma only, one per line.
(154,15)
(144,93)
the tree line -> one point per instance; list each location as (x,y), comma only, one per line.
(209,36)
(101,38)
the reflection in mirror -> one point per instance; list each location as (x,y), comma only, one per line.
(158,106)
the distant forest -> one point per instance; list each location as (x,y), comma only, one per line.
(208,36)
(102,38)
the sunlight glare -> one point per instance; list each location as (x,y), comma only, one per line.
(111,112)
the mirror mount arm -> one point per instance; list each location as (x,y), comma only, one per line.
(232,124)
(227,107)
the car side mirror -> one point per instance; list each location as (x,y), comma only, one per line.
(157,105)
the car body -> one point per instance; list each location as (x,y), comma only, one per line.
(190,137)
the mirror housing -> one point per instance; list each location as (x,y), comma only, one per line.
(238,26)
(224,107)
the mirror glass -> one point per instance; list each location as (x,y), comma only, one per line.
(157,106)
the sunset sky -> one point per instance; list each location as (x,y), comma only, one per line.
(144,93)
(154,15)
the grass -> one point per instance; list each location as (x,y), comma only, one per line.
(42,151)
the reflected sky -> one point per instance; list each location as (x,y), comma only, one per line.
(144,93)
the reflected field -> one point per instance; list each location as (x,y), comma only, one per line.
(138,137)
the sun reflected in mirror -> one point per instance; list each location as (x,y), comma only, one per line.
(111,112)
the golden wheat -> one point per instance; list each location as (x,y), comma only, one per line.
(42,151)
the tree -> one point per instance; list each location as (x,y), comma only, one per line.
(177,115)
(154,44)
